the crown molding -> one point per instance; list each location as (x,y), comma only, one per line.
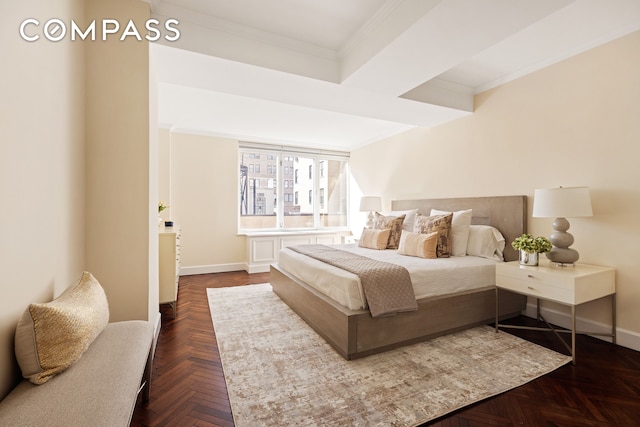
(369,27)
(554,60)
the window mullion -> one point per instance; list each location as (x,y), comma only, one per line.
(280,192)
(316,194)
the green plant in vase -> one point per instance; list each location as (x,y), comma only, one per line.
(161,207)
(530,247)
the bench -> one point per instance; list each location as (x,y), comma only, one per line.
(100,389)
(79,369)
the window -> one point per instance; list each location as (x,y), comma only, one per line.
(271,200)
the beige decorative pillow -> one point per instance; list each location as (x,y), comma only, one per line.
(440,223)
(420,245)
(51,336)
(374,239)
(393,223)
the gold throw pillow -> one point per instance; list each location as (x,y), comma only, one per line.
(418,245)
(51,336)
(374,239)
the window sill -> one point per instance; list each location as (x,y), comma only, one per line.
(291,232)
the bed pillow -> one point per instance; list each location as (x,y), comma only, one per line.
(374,239)
(393,223)
(440,223)
(418,245)
(409,219)
(51,336)
(459,230)
(486,242)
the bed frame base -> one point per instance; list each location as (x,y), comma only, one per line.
(354,333)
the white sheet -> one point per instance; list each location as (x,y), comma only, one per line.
(430,277)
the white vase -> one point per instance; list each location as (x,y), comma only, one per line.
(528,258)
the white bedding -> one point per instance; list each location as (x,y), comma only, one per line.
(430,277)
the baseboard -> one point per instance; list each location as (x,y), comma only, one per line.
(156,333)
(258,268)
(624,337)
(216,268)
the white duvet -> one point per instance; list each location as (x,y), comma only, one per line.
(430,277)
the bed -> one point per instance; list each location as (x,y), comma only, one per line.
(350,327)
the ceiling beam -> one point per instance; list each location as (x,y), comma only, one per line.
(449,33)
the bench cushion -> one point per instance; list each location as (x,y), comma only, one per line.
(100,389)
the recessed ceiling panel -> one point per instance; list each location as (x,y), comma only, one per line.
(325,23)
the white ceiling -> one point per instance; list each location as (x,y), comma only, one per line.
(340,74)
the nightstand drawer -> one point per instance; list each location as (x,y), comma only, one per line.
(536,288)
(537,276)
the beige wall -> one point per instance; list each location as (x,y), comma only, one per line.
(573,123)
(121,241)
(41,168)
(164,171)
(204,201)
(74,171)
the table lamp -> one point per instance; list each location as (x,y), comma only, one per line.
(370,204)
(561,203)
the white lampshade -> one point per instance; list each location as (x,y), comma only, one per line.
(563,202)
(370,203)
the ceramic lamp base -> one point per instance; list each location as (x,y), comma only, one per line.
(561,253)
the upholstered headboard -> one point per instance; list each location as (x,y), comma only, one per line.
(506,213)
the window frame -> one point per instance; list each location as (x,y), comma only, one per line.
(290,153)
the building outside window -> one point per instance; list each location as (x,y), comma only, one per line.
(269,192)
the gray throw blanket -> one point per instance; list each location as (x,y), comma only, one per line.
(387,287)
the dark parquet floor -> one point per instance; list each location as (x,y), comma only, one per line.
(188,387)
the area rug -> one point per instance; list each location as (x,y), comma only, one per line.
(279,372)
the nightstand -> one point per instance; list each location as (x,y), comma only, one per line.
(569,285)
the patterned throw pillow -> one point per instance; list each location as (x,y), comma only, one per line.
(419,245)
(459,230)
(393,223)
(440,223)
(51,336)
(374,239)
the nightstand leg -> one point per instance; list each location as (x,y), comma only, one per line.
(538,314)
(497,310)
(613,318)
(573,334)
